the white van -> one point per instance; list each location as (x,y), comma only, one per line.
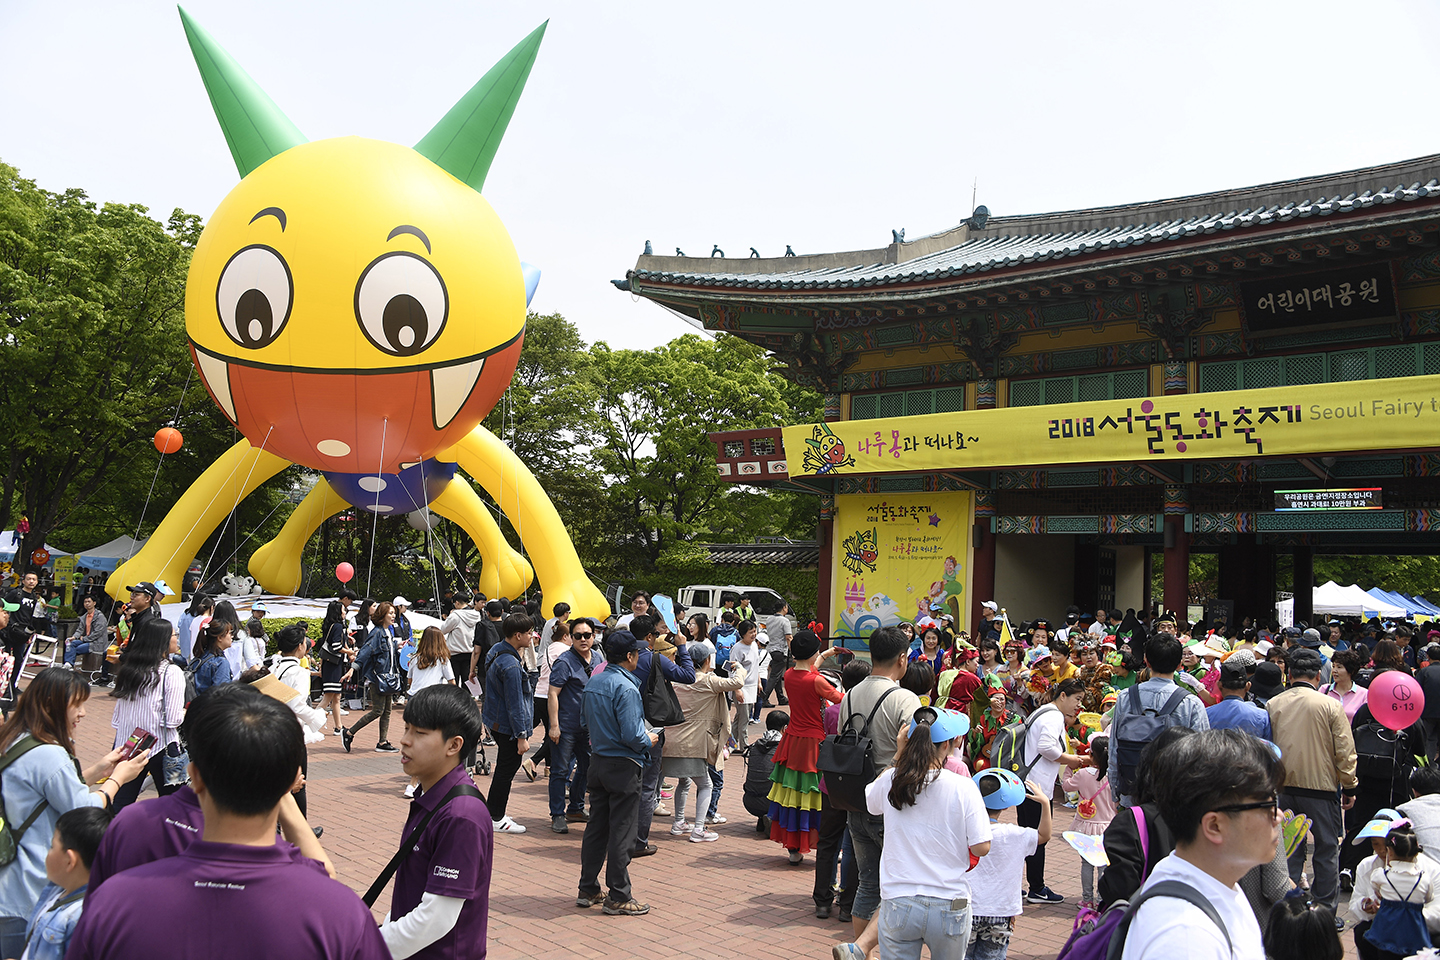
(709,599)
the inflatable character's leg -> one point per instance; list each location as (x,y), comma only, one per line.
(496,468)
(505,573)
(168,552)
(276,565)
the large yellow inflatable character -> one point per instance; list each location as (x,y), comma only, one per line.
(357,307)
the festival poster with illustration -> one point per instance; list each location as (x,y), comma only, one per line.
(897,555)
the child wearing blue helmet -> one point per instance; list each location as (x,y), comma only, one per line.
(998,877)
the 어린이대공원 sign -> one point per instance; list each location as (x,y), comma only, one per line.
(1394,414)
(897,554)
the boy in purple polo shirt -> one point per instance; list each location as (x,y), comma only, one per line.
(440,907)
(245,753)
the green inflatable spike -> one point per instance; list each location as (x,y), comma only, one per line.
(465,140)
(254,126)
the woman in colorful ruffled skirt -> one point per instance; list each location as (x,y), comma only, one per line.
(795,780)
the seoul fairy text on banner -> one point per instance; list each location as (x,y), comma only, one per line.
(899,555)
(1395,414)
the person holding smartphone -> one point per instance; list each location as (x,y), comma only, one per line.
(150,696)
(40,779)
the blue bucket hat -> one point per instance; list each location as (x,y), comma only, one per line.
(1011,792)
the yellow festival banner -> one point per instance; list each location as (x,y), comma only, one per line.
(901,556)
(1395,414)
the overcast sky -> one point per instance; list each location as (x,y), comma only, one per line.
(742,124)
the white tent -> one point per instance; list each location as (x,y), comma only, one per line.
(108,556)
(1352,601)
(278,607)
(9,541)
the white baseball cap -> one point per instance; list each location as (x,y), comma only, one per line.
(991,604)
(399,602)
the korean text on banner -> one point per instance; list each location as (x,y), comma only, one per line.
(1395,414)
(899,556)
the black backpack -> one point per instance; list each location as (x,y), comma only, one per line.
(847,759)
(1138,728)
(1379,752)
(662,707)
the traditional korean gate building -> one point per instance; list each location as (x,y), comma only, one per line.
(1106,389)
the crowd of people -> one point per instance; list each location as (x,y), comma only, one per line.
(1178,749)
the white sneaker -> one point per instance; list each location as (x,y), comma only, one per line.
(409,791)
(718,818)
(704,836)
(507,825)
(681,827)
(344,712)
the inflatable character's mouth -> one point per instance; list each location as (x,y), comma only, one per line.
(450,384)
(357,420)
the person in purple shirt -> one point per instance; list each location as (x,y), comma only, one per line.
(1233,711)
(245,752)
(164,826)
(440,908)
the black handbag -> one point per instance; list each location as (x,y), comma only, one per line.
(390,682)
(662,707)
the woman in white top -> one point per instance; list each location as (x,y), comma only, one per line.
(1045,740)
(935,821)
(44,780)
(430,667)
(150,695)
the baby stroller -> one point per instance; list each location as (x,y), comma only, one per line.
(759,761)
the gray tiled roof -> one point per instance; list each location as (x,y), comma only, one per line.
(1015,241)
(802,553)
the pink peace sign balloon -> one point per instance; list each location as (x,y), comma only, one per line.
(1395,699)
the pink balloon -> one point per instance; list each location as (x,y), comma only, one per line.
(343,572)
(1395,699)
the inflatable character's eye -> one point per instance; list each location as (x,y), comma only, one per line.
(401,303)
(254,296)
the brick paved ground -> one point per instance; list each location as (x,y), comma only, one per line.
(736,898)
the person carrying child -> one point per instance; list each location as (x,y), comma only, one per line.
(996,880)
(1094,812)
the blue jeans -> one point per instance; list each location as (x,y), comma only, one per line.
(649,790)
(908,922)
(75,648)
(12,935)
(849,873)
(573,750)
(867,837)
(717,783)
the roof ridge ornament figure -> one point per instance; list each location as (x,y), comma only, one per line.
(357,307)
(717,252)
(897,236)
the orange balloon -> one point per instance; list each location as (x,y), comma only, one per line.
(168,440)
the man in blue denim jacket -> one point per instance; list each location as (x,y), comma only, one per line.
(620,747)
(508,714)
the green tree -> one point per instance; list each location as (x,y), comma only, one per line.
(656,411)
(92,308)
